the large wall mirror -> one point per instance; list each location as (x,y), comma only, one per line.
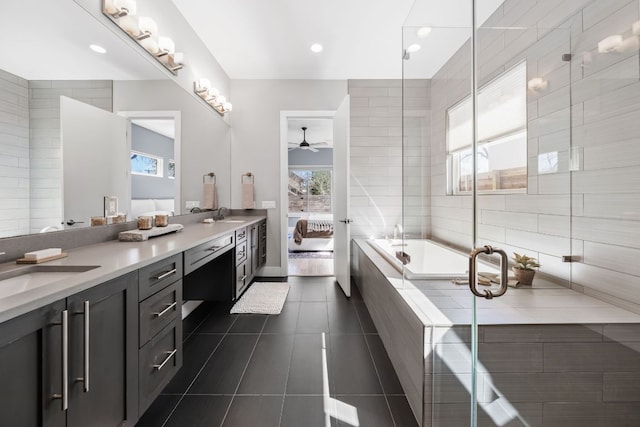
(75,123)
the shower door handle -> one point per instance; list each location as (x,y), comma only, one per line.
(504,272)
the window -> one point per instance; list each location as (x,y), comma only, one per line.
(146,164)
(171,172)
(502,137)
(309,190)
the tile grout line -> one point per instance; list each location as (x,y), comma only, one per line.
(293,344)
(235,392)
(199,371)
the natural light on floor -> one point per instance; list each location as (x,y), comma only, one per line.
(333,407)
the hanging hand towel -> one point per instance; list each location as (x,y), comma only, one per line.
(209,199)
(247,196)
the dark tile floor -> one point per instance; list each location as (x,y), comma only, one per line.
(319,363)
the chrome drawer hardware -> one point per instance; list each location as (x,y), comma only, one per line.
(64,394)
(166,310)
(170,354)
(167,274)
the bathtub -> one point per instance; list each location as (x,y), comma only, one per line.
(429,260)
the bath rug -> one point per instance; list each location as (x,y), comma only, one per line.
(311,254)
(262,298)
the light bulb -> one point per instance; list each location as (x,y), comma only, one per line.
(151,44)
(220,99)
(204,84)
(166,45)
(213,93)
(148,25)
(126,5)
(227,106)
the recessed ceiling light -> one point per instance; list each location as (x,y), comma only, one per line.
(316,48)
(97,48)
(424,32)
(414,48)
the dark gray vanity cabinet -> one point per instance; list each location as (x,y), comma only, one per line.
(160,332)
(70,363)
(30,368)
(102,388)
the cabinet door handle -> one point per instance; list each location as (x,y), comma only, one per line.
(86,346)
(166,310)
(166,274)
(242,278)
(170,354)
(64,394)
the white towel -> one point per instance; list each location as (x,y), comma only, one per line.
(209,199)
(247,196)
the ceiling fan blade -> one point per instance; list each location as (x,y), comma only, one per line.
(292,148)
(315,150)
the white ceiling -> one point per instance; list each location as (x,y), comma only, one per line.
(164,127)
(49,40)
(362,39)
(318,130)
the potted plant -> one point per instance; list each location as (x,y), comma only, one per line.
(524,268)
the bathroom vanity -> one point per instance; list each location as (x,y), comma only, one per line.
(96,346)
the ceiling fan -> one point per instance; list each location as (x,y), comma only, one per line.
(304,145)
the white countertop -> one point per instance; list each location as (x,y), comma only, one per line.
(441,303)
(115,259)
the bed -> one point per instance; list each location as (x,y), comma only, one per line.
(151,207)
(314,233)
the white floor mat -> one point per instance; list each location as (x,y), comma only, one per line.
(262,298)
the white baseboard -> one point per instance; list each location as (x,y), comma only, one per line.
(271,271)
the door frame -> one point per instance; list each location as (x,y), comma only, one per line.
(284,176)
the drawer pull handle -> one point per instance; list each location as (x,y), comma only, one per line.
(167,274)
(166,310)
(87,336)
(64,395)
(169,354)
(214,248)
(242,278)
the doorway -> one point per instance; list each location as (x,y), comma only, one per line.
(309,201)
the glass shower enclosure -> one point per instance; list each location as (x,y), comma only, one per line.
(520,136)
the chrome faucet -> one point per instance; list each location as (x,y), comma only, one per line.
(220,213)
(397,230)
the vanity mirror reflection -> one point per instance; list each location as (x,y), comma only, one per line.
(49,79)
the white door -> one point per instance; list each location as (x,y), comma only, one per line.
(96,160)
(341,220)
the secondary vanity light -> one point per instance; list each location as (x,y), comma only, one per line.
(144,31)
(537,84)
(211,96)
(610,44)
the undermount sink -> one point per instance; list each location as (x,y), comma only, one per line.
(24,279)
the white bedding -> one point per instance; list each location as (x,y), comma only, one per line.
(309,244)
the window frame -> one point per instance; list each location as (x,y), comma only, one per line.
(159,165)
(310,169)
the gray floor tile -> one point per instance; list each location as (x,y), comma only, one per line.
(196,351)
(308,411)
(248,324)
(312,318)
(352,368)
(386,373)
(222,374)
(159,410)
(365,319)
(401,412)
(218,322)
(343,318)
(254,411)
(196,411)
(285,322)
(314,292)
(307,366)
(269,366)
(370,411)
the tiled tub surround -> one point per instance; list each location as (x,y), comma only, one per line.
(592,104)
(548,356)
(115,259)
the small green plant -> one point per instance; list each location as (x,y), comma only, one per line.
(524,262)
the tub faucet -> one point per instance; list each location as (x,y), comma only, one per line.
(397,230)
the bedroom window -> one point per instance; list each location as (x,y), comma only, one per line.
(146,164)
(309,190)
(502,137)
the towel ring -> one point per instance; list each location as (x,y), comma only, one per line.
(249,176)
(211,175)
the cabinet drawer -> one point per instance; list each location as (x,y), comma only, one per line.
(241,279)
(159,361)
(200,255)
(241,235)
(241,252)
(159,310)
(159,275)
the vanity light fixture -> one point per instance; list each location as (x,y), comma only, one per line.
(211,96)
(423,32)
(97,48)
(144,31)
(610,44)
(537,84)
